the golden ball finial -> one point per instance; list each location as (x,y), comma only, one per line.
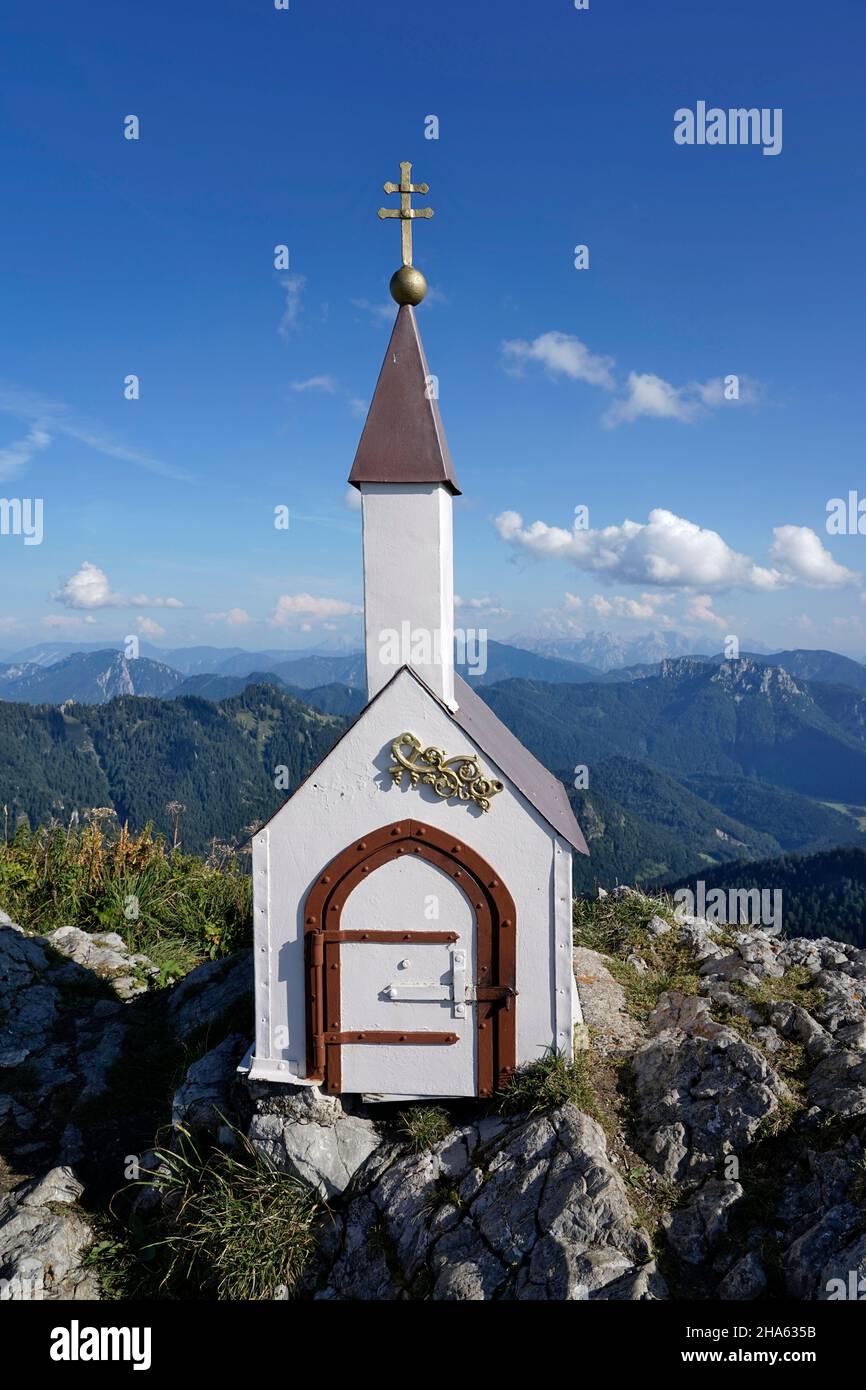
(408,285)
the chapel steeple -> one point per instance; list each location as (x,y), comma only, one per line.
(404,473)
(404,438)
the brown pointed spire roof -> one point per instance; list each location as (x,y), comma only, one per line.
(404,438)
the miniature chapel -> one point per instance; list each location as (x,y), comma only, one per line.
(412,898)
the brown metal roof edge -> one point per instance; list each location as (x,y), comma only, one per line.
(541,789)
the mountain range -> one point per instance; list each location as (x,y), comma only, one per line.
(50,674)
(700,765)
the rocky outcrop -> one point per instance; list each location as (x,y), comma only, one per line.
(43,1238)
(106,954)
(315,1136)
(603,1001)
(702,1092)
(526,1209)
(205,1099)
(728,1067)
(73,1005)
(211,993)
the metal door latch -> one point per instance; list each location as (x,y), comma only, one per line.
(453,988)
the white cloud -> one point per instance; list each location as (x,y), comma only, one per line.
(619,606)
(801,555)
(352,499)
(648,394)
(89,588)
(148,628)
(700,610)
(316,383)
(18,454)
(644,393)
(233,617)
(666,551)
(143,601)
(290,607)
(485,606)
(562,355)
(357,406)
(293,286)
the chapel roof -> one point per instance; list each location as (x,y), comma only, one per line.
(477,720)
(403,440)
(540,787)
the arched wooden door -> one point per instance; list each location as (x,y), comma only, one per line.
(372,1024)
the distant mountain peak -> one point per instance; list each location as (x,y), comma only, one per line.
(743,676)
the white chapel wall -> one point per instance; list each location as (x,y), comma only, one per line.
(352,793)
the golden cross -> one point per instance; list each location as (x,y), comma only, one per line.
(406,212)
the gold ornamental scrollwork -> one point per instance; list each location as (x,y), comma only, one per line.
(459,777)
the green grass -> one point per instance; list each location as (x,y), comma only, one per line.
(618,928)
(609,924)
(231,1226)
(424,1126)
(548,1083)
(794,987)
(177,909)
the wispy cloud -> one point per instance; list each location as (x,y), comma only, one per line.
(49,418)
(57,622)
(384,310)
(293,607)
(484,606)
(561,355)
(649,395)
(316,383)
(18,454)
(293,286)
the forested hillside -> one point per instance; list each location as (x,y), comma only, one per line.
(642,825)
(823,894)
(736,720)
(136,755)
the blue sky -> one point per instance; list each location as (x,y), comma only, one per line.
(260,127)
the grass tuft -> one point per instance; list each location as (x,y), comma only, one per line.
(424,1126)
(231,1226)
(548,1083)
